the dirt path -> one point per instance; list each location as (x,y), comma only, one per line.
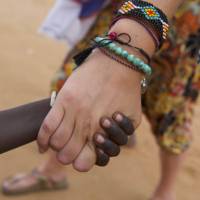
(27,63)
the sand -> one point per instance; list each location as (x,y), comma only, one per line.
(28,62)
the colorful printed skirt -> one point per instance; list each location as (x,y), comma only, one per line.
(169,101)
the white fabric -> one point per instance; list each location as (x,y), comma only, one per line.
(63,22)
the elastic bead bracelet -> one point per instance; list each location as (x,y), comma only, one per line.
(136,62)
(151,17)
(118,59)
(80,58)
(144,83)
(117,38)
(113,36)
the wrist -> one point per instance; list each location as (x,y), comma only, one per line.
(139,35)
(117,71)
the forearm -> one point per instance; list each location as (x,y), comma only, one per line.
(19,126)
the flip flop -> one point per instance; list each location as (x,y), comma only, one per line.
(42,183)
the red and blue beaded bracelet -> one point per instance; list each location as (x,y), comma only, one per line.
(151,17)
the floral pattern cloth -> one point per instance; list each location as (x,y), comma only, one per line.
(173,90)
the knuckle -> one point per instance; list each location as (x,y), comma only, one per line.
(56,144)
(68,154)
(70,96)
(47,127)
(63,159)
(83,107)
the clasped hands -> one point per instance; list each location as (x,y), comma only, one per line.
(95,111)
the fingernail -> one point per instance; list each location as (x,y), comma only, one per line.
(100,139)
(119,117)
(106,123)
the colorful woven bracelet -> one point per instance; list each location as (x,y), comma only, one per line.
(151,17)
(133,60)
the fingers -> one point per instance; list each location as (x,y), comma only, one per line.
(108,147)
(63,134)
(86,159)
(124,123)
(74,146)
(102,158)
(49,126)
(115,133)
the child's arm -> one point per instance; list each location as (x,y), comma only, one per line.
(19,126)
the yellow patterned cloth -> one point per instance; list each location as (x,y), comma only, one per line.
(174,87)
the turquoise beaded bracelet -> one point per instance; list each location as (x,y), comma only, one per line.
(144,82)
(133,60)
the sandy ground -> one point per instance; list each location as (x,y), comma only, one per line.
(28,62)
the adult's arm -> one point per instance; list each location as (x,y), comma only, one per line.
(99,87)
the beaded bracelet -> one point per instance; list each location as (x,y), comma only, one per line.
(117,38)
(151,17)
(143,83)
(118,59)
(133,60)
(113,36)
(80,57)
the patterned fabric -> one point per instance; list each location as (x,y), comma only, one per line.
(90,7)
(169,101)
